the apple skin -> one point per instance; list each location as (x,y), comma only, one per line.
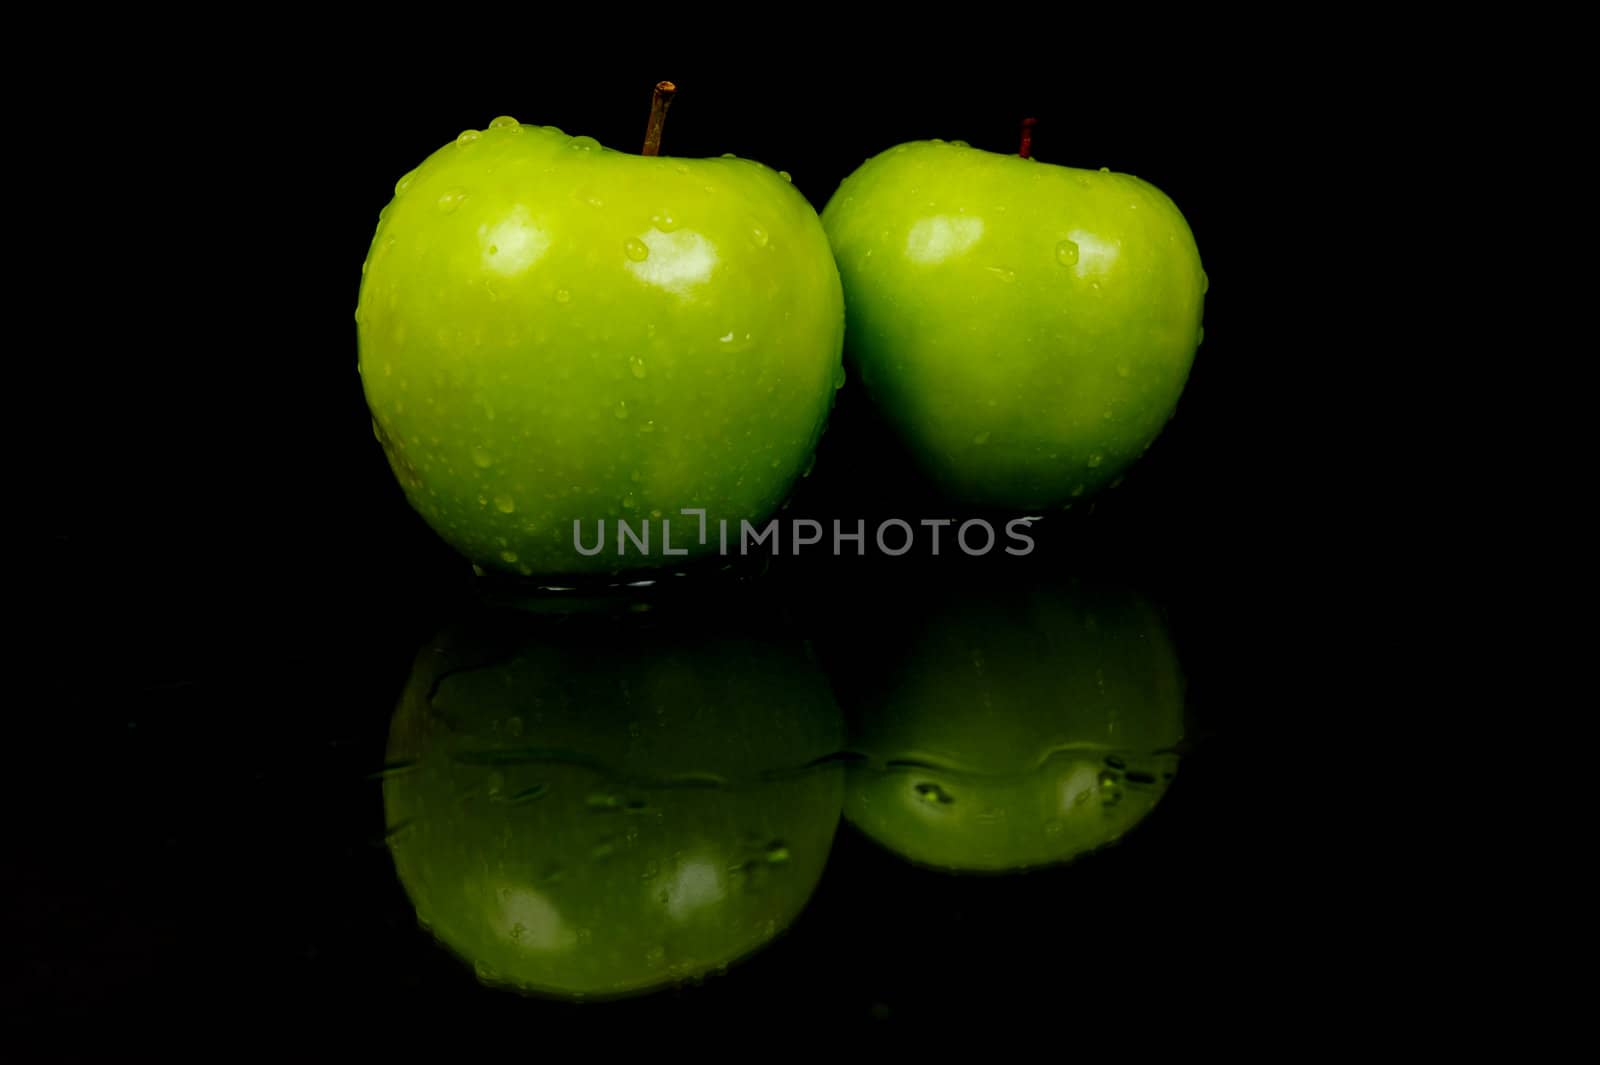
(1025,328)
(551,331)
(596,807)
(1007,728)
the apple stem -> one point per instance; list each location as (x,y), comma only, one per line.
(1026,151)
(658,116)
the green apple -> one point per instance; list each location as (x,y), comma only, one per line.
(1009,727)
(553,332)
(598,806)
(1026,329)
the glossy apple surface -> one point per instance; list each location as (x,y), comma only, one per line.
(1008,727)
(601,806)
(1026,328)
(551,331)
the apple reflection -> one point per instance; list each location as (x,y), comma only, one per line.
(603,803)
(1006,726)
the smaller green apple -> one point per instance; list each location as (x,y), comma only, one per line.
(1026,329)
(1009,727)
(601,805)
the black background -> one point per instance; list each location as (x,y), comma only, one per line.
(234,588)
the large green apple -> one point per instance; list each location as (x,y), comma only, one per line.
(597,806)
(552,332)
(1026,329)
(1007,727)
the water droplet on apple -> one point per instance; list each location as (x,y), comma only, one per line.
(506,122)
(811,464)
(1205,282)
(628,502)
(681,168)
(838,377)
(557,130)
(664,222)
(467,137)
(622,409)
(759,237)
(405,182)
(505,504)
(562,295)
(648,427)
(1096,459)
(451,199)
(508,556)
(1003,274)
(636,250)
(933,793)
(1199,336)
(1067,252)
(1095,285)
(583,144)
(636,365)
(726,338)
(1105,170)
(959,144)
(728,155)
(481,458)
(785,175)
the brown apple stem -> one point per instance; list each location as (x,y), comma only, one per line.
(1026,151)
(658,116)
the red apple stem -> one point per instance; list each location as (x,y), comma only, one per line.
(658,116)
(1026,151)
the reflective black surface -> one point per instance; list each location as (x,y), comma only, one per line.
(228,831)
